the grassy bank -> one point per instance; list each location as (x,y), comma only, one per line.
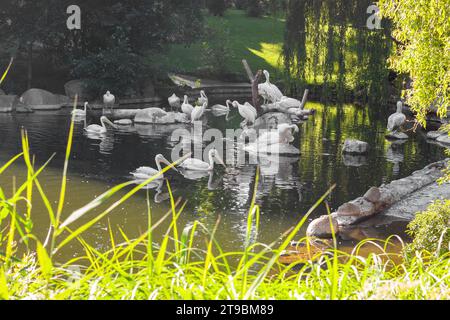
(259,40)
(187,262)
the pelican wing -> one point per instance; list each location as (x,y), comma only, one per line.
(396,121)
(195,164)
(95,128)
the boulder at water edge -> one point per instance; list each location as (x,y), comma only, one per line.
(397,136)
(433,135)
(321,227)
(39,99)
(355,147)
(445,139)
(7,103)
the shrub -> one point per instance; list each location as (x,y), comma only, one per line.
(254,8)
(430,229)
(216,7)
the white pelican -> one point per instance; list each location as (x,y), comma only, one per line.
(219,108)
(96,129)
(198,112)
(269,91)
(174,101)
(109,100)
(282,136)
(145,173)
(287,103)
(203,98)
(247,111)
(186,107)
(80,113)
(199,165)
(397,120)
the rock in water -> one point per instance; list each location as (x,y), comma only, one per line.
(348,210)
(321,227)
(39,99)
(433,135)
(445,139)
(124,122)
(355,147)
(373,195)
(397,136)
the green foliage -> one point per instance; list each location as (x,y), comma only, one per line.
(422,29)
(216,51)
(216,7)
(431,229)
(254,8)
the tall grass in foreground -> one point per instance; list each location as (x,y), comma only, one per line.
(187,262)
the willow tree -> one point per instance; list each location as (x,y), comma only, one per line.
(328,43)
(422,32)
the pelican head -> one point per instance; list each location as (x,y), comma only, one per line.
(104,120)
(161,159)
(235,104)
(267,75)
(108,93)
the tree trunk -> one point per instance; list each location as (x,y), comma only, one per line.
(30,65)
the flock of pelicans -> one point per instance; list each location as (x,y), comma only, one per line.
(274,99)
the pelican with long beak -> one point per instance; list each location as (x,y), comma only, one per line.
(198,112)
(283,135)
(397,120)
(145,173)
(199,165)
(247,111)
(174,101)
(269,91)
(203,98)
(96,129)
(186,107)
(219,108)
(80,113)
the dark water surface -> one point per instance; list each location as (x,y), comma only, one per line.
(285,197)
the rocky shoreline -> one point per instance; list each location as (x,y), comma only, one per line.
(376,201)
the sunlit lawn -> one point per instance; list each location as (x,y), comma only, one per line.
(259,40)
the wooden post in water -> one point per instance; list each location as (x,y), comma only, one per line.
(254,80)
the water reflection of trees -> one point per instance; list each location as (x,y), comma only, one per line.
(327,42)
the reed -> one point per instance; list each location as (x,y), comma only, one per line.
(181,265)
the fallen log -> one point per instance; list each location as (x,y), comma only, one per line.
(375,201)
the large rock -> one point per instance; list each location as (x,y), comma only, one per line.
(355,147)
(159,116)
(433,135)
(321,227)
(7,103)
(445,139)
(39,99)
(77,87)
(397,136)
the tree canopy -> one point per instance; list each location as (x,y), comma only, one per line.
(422,30)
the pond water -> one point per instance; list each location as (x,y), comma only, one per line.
(285,197)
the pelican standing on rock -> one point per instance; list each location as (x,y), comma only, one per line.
(198,112)
(186,107)
(199,165)
(247,111)
(174,101)
(96,129)
(145,173)
(397,120)
(203,98)
(109,100)
(80,113)
(269,91)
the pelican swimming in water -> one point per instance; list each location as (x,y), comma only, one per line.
(96,129)
(109,100)
(219,108)
(268,90)
(186,107)
(247,111)
(283,135)
(198,112)
(203,98)
(174,101)
(397,120)
(145,173)
(80,113)
(199,165)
